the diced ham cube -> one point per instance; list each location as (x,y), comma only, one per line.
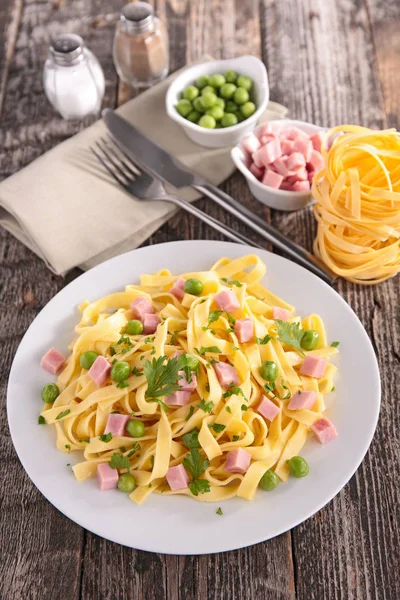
(179,398)
(99,371)
(227,300)
(244,329)
(316,141)
(177,289)
(286,185)
(107,477)
(257,171)
(294,134)
(237,461)
(313,366)
(280,313)
(251,143)
(316,161)
(272,179)
(150,323)
(295,161)
(324,430)
(286,145)
(267,408)
(268,154)
(116,424)
(304,147)
(185,385)
(267,128)
(301,186)
(267,138)
(52,361)
(311,177)
(177,477)
(302,399)
(140,307)
(226,374)
(280,166)
(299,175)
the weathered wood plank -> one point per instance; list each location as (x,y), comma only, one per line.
(10,16)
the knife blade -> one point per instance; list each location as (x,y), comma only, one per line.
(169,169)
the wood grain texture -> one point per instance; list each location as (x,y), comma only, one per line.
(329,62)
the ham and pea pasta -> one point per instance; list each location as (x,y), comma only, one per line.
(204,384)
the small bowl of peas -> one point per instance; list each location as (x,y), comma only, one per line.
(217,102)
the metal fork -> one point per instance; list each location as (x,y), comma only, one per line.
(143,186)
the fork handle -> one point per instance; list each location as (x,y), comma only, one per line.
(268,232)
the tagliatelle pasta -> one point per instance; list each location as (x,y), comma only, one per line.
(224,389)
(358,204)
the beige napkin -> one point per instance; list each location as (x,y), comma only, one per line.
(67,209)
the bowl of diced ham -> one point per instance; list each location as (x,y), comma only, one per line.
(279,160)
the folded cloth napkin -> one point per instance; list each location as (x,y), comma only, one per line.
(66,208)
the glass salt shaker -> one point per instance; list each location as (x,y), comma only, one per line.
(140,46)
(73,78)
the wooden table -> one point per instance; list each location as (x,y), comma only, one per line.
(330,62)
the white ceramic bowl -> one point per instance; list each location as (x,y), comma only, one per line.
(278,199)
(250,66)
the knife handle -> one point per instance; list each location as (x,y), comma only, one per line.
(268,232)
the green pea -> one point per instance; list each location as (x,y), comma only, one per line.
(208,89)
(87,359)
(269,370)
(231,107)
(310,339)
(298,466)
(231,76)
(194,116)
(202,81)
(269,481)
(191,361)
(209,99)
(49,393)
(135,428)
(227,90)
(191,93)
(228,120)
(241,95)
(120,371)
(126,483)
(244,82)
(207,121)
(220,102)
(184,107)
(193,286)
(216,112)
(247,109)
(134,327)
(198,105)
(217,80)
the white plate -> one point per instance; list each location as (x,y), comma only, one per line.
(179,525)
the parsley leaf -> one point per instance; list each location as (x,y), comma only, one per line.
(119,462)
(191,439)
(206,406)
(235,348)
(264,340)
(161,403)
(137,372)
(231,320)
(122,384)
(85,440)
(233,390)
(106,437)
(208,349)
(191,411)
(219,511)
(68,447)
(236,438)
(213,316)
(63,414)
(232,282)
(134,449)
(244,407)
(218,427)
(195,465)
(162,376)
(152,460)
(335,344)
(228,409)
(285,387)
(290,334)
(123,341)
(41,420)
(207,387)
(333,389)
(270,387)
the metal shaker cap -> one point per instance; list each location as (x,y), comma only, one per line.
(67,49)
(138,15)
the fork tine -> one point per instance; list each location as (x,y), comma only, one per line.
(136,164)
(108,168)
(126,165)
(113,161)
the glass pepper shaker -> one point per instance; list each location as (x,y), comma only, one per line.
(73,78)
(140,46)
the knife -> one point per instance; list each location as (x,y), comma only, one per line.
(170,170)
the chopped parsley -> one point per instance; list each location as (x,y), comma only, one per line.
(191,439)
(228,409)
(134,449)
(333,389)
(288,393)
(233,390)
(196,466)
(236,438)
(152,460)
(208,349)
(219,511)
(235,348)
(290,334)
(122,384)
(41,420)
(149,339)
(63,414)
(218,427)
(123,345)
(85,440)
(232,282)
(231,320)
(212,317)
(335,344)
(137,372)
(68,447)
(244,407)
(206,406)
(106,437)
(191,411)
(264,340)
(119,462)
(122,448)
(207,387)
